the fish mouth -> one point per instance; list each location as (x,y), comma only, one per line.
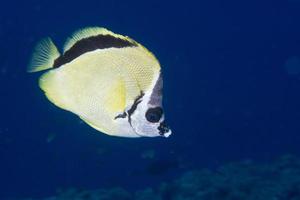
(164,129)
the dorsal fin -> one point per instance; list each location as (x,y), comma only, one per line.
(89,32)
(90,39)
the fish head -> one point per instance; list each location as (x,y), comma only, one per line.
(150,122)
(148,119)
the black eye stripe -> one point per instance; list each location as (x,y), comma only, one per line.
(153,115)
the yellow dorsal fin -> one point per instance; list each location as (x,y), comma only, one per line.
(89,32)
(44,56)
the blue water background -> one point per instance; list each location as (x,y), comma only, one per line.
(227,94)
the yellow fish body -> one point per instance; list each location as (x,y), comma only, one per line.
(110,81)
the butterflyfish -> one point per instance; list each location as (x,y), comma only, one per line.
(110,81)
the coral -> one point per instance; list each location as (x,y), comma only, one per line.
(147,194)
(278,180)
(101,194)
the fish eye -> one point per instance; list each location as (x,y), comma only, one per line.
(154,114)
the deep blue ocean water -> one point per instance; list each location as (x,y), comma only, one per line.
(230,92)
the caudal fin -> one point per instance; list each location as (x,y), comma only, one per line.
(44,56)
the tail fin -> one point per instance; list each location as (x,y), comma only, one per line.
(44,56)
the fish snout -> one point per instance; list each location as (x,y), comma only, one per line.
(164,129)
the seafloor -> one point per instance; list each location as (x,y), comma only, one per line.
(277,180)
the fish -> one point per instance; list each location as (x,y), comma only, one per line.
(110,81)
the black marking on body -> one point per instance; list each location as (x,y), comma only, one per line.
(156,96)
(153,115)
(123,115)
(134,106)
(90,44)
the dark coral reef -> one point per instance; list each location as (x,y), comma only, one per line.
(278,180)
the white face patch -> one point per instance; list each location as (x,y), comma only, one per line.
(145,124)
(147,119)
(145,116)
